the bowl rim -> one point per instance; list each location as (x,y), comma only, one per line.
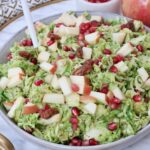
(127,140)
(99,4)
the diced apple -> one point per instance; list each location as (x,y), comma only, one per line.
(125,49)
(46,66)
(118,93)
(101,97)
(53,47)
(121,66)
(65,85)
(55,82)
(43,56)
(13,82)
(54,119)
(87,99)
(90,108)
(92,38)
(15,106)
(147,83)
(54,98)
(66,31)
(44,41)
(137,24)
(72,100)
(118,37)
(60,65)
(80,81)
(48,78)
(3,82)
(143,73)
(137,40)
(15,72)
(92,133)
(96,18)
(39,25)
(87,52)
(67,19)
(8,105)
(30,108)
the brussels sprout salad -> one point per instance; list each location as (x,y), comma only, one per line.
(88,82)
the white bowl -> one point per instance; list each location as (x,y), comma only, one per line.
(110,6)
(117,145)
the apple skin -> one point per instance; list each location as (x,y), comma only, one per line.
(137,9)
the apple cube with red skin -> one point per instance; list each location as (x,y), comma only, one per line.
(30,108)
(8,105)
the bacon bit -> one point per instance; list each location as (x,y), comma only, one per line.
(9,56)
(79,53)
(25,54)
(87,89)
(54,69)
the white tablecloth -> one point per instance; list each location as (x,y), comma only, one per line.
(5,35)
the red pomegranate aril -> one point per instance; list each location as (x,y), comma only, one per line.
(75,87)
(96,62)
(107,51)
(92,29)
(74,127)
(50,42)
(84,27)
(33,60)
(112,126)
(117,59)
(74,120)
(66,48)
(59,24)
(93,142)
(27,100)
(81,37)
(140,48)
(29,42)
(76,142)
(115,100)
(115,106)
(95,23)
(85,143)
(9,56)
(75,111)
(24,43)
(104,90)
(38,82)
(113,69)
(24,54)
(137,98)
(72,56)
(46,107)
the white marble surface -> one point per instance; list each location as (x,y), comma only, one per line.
(5,35)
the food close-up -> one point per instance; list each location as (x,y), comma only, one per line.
(79,80)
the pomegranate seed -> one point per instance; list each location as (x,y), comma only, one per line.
(75,111)
(75,87)
(107,51)
(29,42)
(9,56)
(80,37)
(92,29)
(24,43)
(96,62)
(95,23)
(118,58)
(74,127)
(24,54)
(93,142)
(140,48)
(112,126)
(113,69)
(66,48)
(72,55)
(85,143)
(115,106)
(74,120)
(38,82)
(46,107)
(50,42)
(84,27)
(137,98)
(116,100)
(104,90)
(59,24)
(33,60)
(76,142)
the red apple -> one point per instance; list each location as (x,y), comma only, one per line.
(137,9)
